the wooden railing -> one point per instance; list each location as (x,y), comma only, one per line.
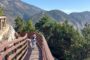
(14,50)
(46,54)
(17,49)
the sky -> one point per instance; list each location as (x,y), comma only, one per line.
(67,6)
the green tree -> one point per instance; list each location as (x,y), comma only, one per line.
(45,26)
(19,24)
(30,26)
(1,12)
(41,23)
(65,42)
(86,34)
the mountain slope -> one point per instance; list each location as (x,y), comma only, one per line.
(77,19)
(58,15)
(82,17)
(13,8)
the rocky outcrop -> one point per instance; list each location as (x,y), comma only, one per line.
(8,34)
(3,33)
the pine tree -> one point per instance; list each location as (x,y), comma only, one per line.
(30,26)
(64,41)
(19,24)
(86,34)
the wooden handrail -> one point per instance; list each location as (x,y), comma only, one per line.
(46,54)
(14,49)
(47,50)
(5,43)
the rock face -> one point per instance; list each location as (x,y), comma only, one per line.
(11,34)
(8,34)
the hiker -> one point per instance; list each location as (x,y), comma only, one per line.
(33,41)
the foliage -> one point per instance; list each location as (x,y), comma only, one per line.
(20,24)
(24,26)
(86,34)
(45,26)
(1,12)
(64,41)
(30,26)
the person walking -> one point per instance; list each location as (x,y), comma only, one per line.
(34,41)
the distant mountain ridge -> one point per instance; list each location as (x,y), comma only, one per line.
(77,19)
(14,8)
